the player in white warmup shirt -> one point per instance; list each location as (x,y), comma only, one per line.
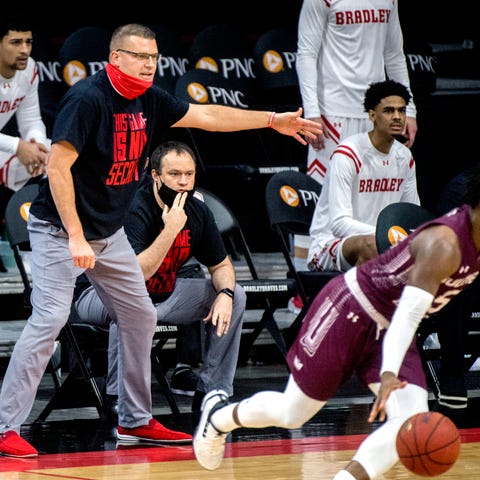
(25,156)
(344,46)
(366,172)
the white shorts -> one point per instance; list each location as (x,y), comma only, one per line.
(336,129)
(328,257)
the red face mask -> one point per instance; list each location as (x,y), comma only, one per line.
(126,85)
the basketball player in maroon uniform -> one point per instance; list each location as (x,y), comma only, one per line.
(363,322)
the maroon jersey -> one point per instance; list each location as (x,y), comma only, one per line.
(382,280)
(343,330)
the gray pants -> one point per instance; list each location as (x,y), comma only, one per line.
(119,281)
(189,302)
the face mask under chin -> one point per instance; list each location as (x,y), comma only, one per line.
(168,194)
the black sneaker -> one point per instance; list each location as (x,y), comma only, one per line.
(184,381)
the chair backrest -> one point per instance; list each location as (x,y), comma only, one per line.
(16,216)
(396,221)
(232,233)
(276,76)
(224,49)
(291,198)
(229,227)
(207,87)
(173,61)
(83,53)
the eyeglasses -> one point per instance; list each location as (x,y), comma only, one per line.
(142,57)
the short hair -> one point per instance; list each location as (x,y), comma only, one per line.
(167,147)
(16,22)
(472,196)
(135,29)
(379,90)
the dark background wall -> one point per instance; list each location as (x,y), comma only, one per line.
(439,24)
(446,118)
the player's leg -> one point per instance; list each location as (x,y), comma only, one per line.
(377,453)
(288,409)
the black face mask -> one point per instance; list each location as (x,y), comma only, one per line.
(168,195)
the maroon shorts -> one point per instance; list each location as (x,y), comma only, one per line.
(338,339)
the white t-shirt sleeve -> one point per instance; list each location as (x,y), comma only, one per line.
(312,21)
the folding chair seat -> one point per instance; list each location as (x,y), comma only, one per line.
(290,199)
(67,394)
(267,294)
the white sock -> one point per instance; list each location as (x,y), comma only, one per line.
(301,244)
(343,475)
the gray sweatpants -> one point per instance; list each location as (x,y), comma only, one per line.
(119,281)
(189,302)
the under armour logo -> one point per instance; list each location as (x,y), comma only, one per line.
(353,317)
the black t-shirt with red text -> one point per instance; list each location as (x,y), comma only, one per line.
(112,136)
(200,238)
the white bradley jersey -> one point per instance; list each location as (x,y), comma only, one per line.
(343,46)
(19,95)
(359,183)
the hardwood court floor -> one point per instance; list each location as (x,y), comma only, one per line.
(76,445)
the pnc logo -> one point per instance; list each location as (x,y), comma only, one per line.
(396,234)
(198,92)
(73,72)
(272,61)
(289,196)
(24,210)
(207,63)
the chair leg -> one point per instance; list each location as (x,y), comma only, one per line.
(67,393)
(87,376)
(159,373)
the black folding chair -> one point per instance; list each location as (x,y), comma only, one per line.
(67,392)
(267,294)
(290,199)
(394,223)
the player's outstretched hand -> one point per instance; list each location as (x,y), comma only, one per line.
(389,383)
(292,124)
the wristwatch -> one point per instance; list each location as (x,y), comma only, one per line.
(226,291)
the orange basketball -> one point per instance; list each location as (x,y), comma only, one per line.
(428,444)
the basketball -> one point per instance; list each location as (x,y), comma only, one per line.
(428,444)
